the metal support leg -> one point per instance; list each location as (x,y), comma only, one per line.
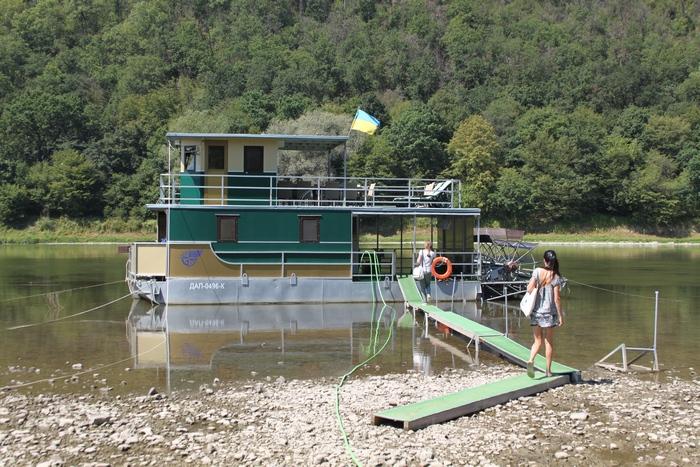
(477,345)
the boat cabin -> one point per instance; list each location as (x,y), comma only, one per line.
(230,213)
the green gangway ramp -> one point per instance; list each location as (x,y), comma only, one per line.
(495,340)
(440,409)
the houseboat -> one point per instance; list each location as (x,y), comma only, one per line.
(233,229)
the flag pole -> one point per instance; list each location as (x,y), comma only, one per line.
(345,159)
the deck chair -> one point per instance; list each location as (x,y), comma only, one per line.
(438,194)
(369,196)
(432,193)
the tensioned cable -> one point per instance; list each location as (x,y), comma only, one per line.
(90,370)
(12,328)
(648,297)
(60,291)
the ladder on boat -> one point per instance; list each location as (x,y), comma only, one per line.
(421,414)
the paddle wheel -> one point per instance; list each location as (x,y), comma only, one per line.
(507,262)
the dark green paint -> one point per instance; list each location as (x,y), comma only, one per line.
(246,190)
(190,193)
(262,225)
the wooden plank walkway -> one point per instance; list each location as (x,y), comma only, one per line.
(468,401)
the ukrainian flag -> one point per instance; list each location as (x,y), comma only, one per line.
(364,122)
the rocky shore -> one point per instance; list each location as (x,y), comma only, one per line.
(609,419)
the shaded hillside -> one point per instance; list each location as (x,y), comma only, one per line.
(549,111)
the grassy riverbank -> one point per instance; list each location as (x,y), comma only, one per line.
(614,235)
(46,230)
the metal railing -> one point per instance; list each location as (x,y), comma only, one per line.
(465,263)
(273,190)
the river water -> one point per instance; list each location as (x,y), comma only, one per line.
(122,347)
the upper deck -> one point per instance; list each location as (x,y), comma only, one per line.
(273,190)
(242,170)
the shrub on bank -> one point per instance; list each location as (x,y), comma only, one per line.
(62,229)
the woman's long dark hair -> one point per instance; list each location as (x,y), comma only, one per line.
(551,262)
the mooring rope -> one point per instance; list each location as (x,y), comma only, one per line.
(617,292)
(374,274)
(22,326)
(90,370)
(60,291)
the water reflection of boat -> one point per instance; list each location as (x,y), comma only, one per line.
(194,334)
(296,341)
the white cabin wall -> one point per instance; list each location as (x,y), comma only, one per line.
(271,153)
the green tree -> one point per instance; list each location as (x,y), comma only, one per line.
(36,122)
(511,201)
(68,185)
(653,194)
(16,205)
(417,140)
(128,195)
(666,134)
(473,152)
(620,158)
(320,163)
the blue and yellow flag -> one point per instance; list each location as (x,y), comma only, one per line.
(364,122)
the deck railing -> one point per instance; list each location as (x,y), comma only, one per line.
(273,190)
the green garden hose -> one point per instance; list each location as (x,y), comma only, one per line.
(374,278)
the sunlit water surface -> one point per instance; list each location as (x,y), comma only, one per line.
(123,347)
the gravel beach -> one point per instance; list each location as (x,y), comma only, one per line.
(609,419)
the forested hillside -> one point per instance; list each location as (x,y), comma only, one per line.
(551,112)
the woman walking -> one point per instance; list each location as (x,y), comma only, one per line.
(547,313)
(425,261)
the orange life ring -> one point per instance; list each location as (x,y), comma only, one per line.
(440,260)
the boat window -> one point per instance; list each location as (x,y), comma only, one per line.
(309,229)
(190,157)
(253,159)
(216,157)
(226,228)
(162,227)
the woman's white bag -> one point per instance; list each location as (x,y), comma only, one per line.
(418,273)
(527,304)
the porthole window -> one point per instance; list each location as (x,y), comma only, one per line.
(309,229)
(227,228)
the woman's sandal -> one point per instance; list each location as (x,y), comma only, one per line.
(531,369)
(548,374)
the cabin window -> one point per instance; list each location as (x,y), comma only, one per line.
(189,156)
(162,227)
(216,158)
(227,228)
(253,159)
(309,229)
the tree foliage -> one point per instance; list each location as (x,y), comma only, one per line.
(548,111)
(474,159)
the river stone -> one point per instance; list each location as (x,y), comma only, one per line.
(98,419)
(561,455)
